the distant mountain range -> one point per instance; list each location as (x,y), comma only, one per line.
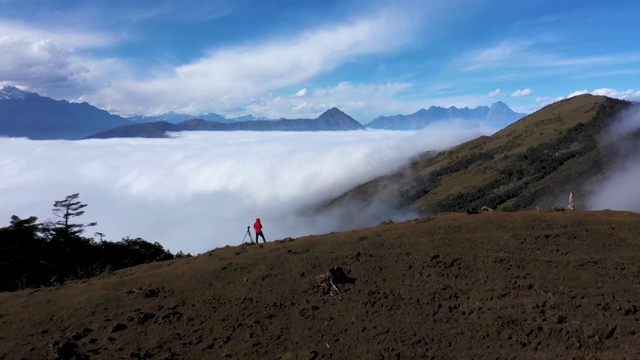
(175,118)
(499,114)
(331,120)
(24,114)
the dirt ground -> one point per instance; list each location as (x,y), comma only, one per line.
(524,285)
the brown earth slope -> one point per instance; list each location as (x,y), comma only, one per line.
(492,285)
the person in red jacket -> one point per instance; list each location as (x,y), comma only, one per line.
(257,226)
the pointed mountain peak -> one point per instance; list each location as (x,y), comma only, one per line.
(333,113)
(11,92)
(340,120)
(499,104)
(334,110)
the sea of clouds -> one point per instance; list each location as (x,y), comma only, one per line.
(620,189)
(197,191)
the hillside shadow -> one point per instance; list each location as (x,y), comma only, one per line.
(340,276)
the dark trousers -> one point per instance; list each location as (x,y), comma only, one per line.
(260,234)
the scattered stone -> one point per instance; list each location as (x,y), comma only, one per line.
(144,317)
(118,327)
(67,350)
(77,336)
(151,292)
(172,315)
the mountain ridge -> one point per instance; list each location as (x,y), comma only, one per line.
(330,120)
(25,114)
(536,161)
(498,114)
(175,118)
(8,92)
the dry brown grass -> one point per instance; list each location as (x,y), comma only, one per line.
(492,285)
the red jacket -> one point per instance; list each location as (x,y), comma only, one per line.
(257,226)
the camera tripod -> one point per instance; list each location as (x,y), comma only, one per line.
(250,237)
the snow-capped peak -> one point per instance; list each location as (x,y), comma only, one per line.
(8,92)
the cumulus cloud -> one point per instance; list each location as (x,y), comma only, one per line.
(619,190)
(40,63)
(523,92)
(301,92)
(629,94)
(53,60)
(494,93)
(200,190)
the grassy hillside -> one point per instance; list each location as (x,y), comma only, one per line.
(535,161)
(494,285)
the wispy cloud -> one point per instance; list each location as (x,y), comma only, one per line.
(532,53)
(523,92)
(65,37)
(618,190)
(52,57)
(227,77)
(495,93)
(493,56)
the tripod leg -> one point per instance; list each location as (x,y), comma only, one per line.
(245,237)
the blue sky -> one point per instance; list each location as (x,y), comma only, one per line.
(299,58)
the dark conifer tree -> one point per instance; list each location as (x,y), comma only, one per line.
(66,210)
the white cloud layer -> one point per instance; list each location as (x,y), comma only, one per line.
(200,190)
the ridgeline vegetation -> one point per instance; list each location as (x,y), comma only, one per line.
(35,254)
